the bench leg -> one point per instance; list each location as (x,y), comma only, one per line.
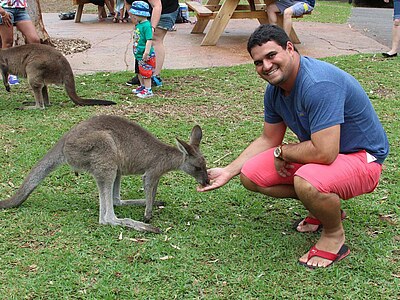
(263,20)
(293,35)
(219,23)
(200,25)
(78,15)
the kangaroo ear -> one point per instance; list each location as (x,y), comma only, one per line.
(184,147)
(195,136)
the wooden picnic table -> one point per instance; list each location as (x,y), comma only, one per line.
(222,11)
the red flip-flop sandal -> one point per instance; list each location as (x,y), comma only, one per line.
(314,221)
(343,252)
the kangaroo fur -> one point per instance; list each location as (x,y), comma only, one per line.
(42,65)
(108,147)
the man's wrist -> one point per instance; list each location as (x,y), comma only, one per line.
(278,152)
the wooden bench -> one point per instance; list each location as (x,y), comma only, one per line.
(255,10)
(79,11)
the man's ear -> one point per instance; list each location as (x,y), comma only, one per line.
(289,46)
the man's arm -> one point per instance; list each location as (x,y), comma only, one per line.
(271,136)
(323,148)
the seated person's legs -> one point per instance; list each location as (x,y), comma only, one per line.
(277,7)
(272,11)
(287,20)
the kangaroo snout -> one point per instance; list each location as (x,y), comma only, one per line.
(204,181)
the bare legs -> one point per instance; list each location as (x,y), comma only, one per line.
(27,29)
(159,49)
(272,11)
(395,37)
(325,207)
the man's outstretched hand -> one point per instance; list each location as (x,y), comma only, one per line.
(218,177)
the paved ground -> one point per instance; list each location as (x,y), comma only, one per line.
(375,23)
(111,43)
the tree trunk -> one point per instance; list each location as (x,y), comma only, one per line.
(35,13)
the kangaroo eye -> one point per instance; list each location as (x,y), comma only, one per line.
(197,168)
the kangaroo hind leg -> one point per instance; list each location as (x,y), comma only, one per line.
(107,216)
(37,88)
(134,202)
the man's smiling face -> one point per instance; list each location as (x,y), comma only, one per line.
(273,63)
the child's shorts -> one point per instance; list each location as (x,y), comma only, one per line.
(17,15)
(348,176)
(146,68)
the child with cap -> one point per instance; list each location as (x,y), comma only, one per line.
(143,48)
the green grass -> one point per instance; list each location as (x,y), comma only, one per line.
(226,244)
(328,12)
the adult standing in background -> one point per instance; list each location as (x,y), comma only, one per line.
(163,17)
(395,30)
(14,13)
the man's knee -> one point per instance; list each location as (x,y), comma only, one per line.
(396,22)
(247,183)
(288,13)
(303,187)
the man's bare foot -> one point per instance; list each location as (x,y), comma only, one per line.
(305,226)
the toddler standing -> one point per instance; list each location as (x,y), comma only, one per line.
(143,48)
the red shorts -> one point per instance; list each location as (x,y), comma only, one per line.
(146,68)
(348,176)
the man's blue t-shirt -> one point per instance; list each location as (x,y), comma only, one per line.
(324,96)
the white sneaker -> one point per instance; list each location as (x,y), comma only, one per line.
(145,94)
(12,79)
(138,90)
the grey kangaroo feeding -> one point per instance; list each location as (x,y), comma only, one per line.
(108,147)
(42,65)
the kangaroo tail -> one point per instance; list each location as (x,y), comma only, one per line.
(87,102)
(44,167)
(71,91)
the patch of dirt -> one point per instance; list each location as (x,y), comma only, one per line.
(65,46)
(70,46)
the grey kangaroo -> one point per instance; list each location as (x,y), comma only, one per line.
(42,65)
(108,147)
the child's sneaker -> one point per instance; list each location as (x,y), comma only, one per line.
(138,90)
(156,80)
(145,94)
(12,79)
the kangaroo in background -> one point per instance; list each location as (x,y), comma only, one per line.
(108,147)
(42,65)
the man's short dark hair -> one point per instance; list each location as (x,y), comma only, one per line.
(265,33)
